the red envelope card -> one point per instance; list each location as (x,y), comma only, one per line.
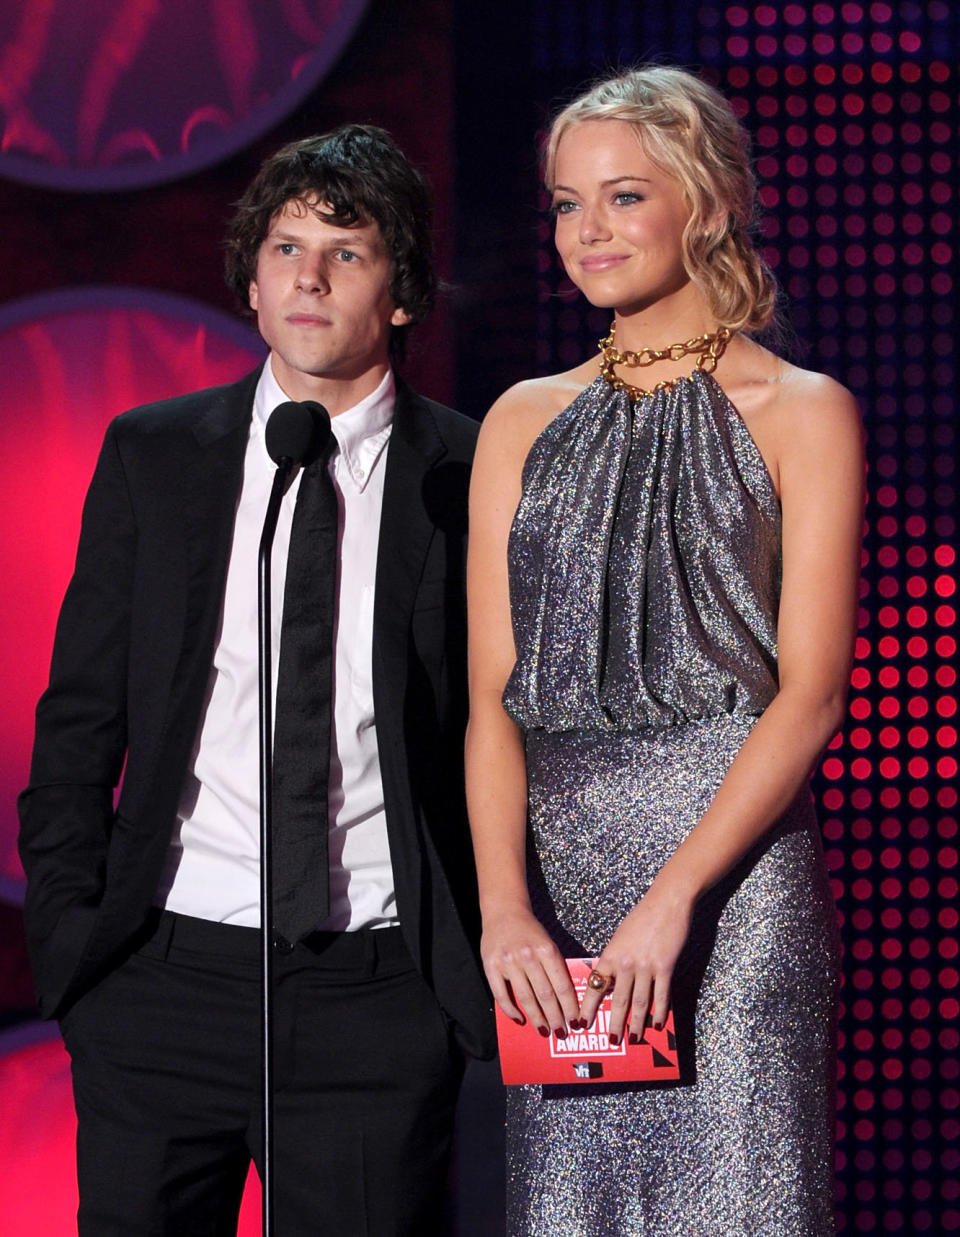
(585,1056)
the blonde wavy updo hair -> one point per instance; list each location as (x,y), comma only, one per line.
(690,132)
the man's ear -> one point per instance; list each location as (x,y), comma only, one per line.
(253,295)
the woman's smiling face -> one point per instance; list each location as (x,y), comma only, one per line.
(619,218)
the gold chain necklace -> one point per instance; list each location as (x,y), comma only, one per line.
(708,348)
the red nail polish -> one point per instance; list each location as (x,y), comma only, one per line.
(614,1039)
(544,1031)
(658,1026)
(634,1038)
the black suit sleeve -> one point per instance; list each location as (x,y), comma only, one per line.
(66,813)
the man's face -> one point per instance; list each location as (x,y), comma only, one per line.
(322,299)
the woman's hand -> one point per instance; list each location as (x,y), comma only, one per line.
(526,972)
(640,958)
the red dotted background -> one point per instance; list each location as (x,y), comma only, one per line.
(853,113)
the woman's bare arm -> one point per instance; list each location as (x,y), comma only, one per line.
(525,970)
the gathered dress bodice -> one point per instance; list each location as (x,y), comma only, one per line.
(644,565)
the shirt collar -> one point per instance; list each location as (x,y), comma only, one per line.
(361,432)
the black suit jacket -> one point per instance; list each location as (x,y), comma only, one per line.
(132,660)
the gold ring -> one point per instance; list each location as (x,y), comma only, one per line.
(597,981)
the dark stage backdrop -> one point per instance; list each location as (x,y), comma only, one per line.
(72,250)
(854,109)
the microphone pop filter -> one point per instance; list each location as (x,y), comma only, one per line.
(297,432)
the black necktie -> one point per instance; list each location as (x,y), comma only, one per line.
(301,744)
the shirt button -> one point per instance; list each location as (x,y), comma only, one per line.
(282,945)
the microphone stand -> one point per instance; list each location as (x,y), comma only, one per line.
(265,649)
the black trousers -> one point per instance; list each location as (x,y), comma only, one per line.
(165,1055)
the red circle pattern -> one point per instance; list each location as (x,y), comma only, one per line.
(852,114)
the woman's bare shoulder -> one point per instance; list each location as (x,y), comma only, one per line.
(806,391)
(817,419)
(778,398)
(524,410)
(793,414)
(761,381)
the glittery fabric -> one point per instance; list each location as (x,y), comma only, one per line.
(644,564)
(644,569)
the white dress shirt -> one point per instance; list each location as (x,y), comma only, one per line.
(213,867)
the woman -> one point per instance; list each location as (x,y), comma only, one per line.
(663,567)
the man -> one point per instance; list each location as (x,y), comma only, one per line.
(143,921)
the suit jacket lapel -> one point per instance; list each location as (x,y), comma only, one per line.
(406,531)
(213,475)
(207,486)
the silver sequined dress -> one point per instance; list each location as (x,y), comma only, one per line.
(644,584)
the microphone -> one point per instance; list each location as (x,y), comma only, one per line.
(297,433)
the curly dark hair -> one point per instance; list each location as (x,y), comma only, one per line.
(362,176)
